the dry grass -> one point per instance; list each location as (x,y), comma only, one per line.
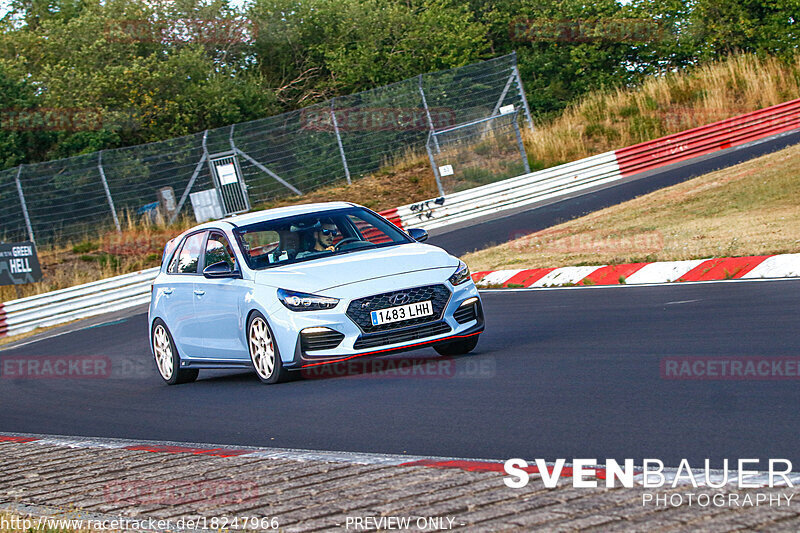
(409,178)
(95,257)
(661,106)
(749,209)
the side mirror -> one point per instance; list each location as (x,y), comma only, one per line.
(418,234)
(220,270)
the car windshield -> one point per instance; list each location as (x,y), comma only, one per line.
(314,236)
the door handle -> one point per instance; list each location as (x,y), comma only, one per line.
(168,291)
(199,292)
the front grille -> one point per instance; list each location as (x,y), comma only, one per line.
(403,335)
(327,340)
(466,313)
(359,310)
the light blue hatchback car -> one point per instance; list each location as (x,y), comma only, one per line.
(297,287)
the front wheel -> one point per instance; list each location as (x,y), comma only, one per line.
(167,359)
(264,351)
(459,347)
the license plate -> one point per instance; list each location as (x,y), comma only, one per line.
(401,312)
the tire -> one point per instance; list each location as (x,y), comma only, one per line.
(459,347)
(168,362)
(264,353)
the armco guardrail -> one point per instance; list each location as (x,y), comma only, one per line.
(81,301)
(601,169)
(95,298)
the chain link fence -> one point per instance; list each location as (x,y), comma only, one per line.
(288,154)
(477,153)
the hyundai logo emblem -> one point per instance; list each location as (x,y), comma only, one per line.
(399,299)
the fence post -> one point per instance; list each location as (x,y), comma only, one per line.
(428,114)
(433,163)
(108,192)
(521,147)
(522,95)
(339,141)
(24,205)
(503,94)
(196,172)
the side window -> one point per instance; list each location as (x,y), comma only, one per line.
(173,264)
(218,250)
(189,256)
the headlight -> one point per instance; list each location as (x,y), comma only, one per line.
(301,301)
(460,275)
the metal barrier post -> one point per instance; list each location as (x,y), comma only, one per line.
(339,141)
(428,114)
(433,164)
(191,180)
(108,192)
(499,103)
(521,146)
(522,95)
(24,205)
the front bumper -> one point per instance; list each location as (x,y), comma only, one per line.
(356,342)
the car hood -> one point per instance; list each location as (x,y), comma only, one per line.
(326,273)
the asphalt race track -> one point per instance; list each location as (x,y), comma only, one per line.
(505,226)
(558,373)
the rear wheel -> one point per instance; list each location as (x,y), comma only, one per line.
(168,361)
(264,351)
(459,347)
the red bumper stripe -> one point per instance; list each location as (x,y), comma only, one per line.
(390,349)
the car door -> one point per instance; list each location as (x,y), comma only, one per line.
(219,304)
(178,289)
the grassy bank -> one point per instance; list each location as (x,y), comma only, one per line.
(600,122)
(748,209)
(662,106)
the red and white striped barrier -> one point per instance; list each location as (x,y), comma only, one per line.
(754,267)
(600,169)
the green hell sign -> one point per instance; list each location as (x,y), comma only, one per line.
(19,263)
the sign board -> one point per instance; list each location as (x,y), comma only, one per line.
(19,263)
(227,174)
(166,197)
(446,170)
(506,109)
(206,205)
